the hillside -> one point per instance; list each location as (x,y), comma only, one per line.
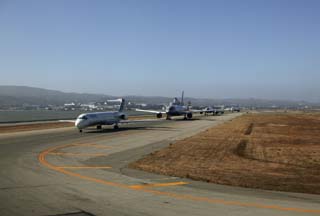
(18,95)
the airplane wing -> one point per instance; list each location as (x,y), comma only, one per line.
(71,121)
(151,111)
(140,121)
(197,111)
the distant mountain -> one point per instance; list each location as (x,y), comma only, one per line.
(19,95)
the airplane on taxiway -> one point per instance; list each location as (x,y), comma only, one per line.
(175,108)
(213,110)
(105,118)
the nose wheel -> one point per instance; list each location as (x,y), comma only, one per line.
(116,127)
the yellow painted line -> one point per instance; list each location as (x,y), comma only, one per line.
(90,145)
(44,162)
(158,185)
(84,167)
(180,196)
(76,154)
(101,146)
(231,203)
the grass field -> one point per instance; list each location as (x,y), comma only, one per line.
(268,151)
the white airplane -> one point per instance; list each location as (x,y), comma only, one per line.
(208,110)
(175,108)
(105,118)
(213,110)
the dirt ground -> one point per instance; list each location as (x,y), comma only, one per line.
(274,151)
(48,125)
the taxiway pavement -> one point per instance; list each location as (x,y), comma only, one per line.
(60,171)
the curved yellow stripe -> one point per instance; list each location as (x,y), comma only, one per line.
(43,161)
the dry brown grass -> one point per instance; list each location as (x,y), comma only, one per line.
(267,151)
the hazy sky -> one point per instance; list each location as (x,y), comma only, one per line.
(214,49)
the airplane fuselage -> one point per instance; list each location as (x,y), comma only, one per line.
(178,110)
(175,108)
(99,118)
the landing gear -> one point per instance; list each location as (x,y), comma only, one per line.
(115,127)
(188,116)
(168,117)
(185,117)
(99,127)
(80,131)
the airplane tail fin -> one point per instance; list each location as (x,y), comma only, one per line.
(122,103)
(182,103)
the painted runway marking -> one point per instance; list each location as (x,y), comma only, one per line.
(43,161)
(89,145)
(84,167)
(76,154)
(158,185)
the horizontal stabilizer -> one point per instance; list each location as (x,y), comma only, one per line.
(116,100)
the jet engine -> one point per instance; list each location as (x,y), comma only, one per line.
(189,115)
(123,116)
(159,115)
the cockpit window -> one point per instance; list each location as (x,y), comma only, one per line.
(83,117)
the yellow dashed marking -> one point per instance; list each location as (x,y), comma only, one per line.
(181,196)
(158,185)
(91,145)
(84,167)
(76,154)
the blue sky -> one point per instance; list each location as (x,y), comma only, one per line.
(211,49)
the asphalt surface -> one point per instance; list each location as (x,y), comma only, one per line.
(60,172)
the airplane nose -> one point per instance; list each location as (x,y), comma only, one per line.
(77,123)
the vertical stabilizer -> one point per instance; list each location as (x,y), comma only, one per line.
(182,103)
(122,103)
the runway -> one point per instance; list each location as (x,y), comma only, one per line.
(60,171)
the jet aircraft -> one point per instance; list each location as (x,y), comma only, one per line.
(105,118)
(175,108)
